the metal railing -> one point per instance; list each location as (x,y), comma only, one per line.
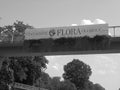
(114,31)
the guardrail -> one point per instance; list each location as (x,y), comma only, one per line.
(114,31)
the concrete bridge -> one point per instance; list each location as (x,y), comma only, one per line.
(21,49)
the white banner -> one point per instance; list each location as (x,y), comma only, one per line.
(27,87)
(68,31)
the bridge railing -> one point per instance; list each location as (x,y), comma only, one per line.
(114,31)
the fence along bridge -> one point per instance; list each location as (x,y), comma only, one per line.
(98,45)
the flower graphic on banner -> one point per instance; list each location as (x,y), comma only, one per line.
(52,32)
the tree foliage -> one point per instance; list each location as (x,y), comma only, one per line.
(77,72)
(21,27)
(43,81)
(98,87)
(56,84)
(28,69)
(13,33)
(6,75)
(25,70)
(67,85)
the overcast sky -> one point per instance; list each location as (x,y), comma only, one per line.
(44,13)
(105,68)
(50,13)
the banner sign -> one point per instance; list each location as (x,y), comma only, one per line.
(27,87)
(68,31)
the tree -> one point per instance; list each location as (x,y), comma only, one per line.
(21,27)
(43,81)
(77,72)
(14,33)
(89,86)
(67,85)
(55,83)
(98,87)
(24,70)
(6,75)
(27,69)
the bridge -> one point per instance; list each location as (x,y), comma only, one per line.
(109,44)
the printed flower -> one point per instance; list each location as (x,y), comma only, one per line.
(52,32)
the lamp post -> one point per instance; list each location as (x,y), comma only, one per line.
(13,31)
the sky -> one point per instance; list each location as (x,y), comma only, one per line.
(105,68)
(52,13)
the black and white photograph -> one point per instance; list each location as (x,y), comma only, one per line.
(59,45)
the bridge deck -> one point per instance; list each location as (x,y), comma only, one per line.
(18,49)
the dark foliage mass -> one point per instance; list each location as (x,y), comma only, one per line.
(54,83)
(69,44)
(77,72)
(25,70)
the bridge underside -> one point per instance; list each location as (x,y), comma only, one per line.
(21,50)
(61,53)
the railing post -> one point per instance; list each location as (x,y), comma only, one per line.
(114,31)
